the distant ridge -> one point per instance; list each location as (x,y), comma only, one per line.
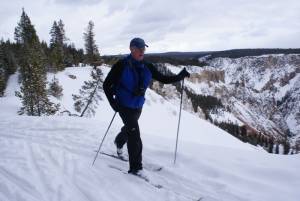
(234,53)
(192,58)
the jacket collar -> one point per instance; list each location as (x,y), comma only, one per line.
(135,62)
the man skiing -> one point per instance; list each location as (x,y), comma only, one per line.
(125,87)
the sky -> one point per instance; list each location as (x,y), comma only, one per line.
(169,25)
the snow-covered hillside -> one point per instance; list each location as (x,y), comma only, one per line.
(50,158)
(270,86)
(262,92)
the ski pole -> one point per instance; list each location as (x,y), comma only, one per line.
(103,138)
(179,121)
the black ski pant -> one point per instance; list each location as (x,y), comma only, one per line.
(130,133)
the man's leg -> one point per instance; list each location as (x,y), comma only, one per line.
(135,147)
(121,138)
(134,143)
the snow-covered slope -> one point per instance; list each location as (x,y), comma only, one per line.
(50,158)
(270,86)
(262,92)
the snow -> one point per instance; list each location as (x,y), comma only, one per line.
(224,116)
(284,89)
(10,103)
(174,69)
(292,123)
(269,55)
(263,82)
(71,86)
(50,158)
(259,84)
(201,88)
(190,69)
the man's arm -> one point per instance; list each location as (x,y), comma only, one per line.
(164,78)
(111,81)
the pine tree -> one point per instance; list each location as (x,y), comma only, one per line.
(286,147)
(8,58)
(24,32)
(47,59)
(33,91)
(57,47)
(277,148)
(70,52)
(2,81)
(92,53)
(89,96)
(271,146)
(55,89)
(73,56)
(62,33)
(8,63)
(79,56)
(2,70)
(58,34)
(2,73)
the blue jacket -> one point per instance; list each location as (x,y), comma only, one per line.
(129,76)
(134,79)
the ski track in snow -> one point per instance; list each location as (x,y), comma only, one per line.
(44,167)
(58,167)
(50,168)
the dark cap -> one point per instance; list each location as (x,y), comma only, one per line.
(138,42)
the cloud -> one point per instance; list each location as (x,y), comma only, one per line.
(77,2)
(170,25)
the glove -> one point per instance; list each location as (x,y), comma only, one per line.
(115,106)
(183,73)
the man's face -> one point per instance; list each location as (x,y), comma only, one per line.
(137,53)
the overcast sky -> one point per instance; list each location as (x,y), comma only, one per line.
(165,25)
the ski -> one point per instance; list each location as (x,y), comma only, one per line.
(122,158)
(158,186)
(155,185)
(147,166)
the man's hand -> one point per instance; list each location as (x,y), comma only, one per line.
(115,106)
(183,73)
